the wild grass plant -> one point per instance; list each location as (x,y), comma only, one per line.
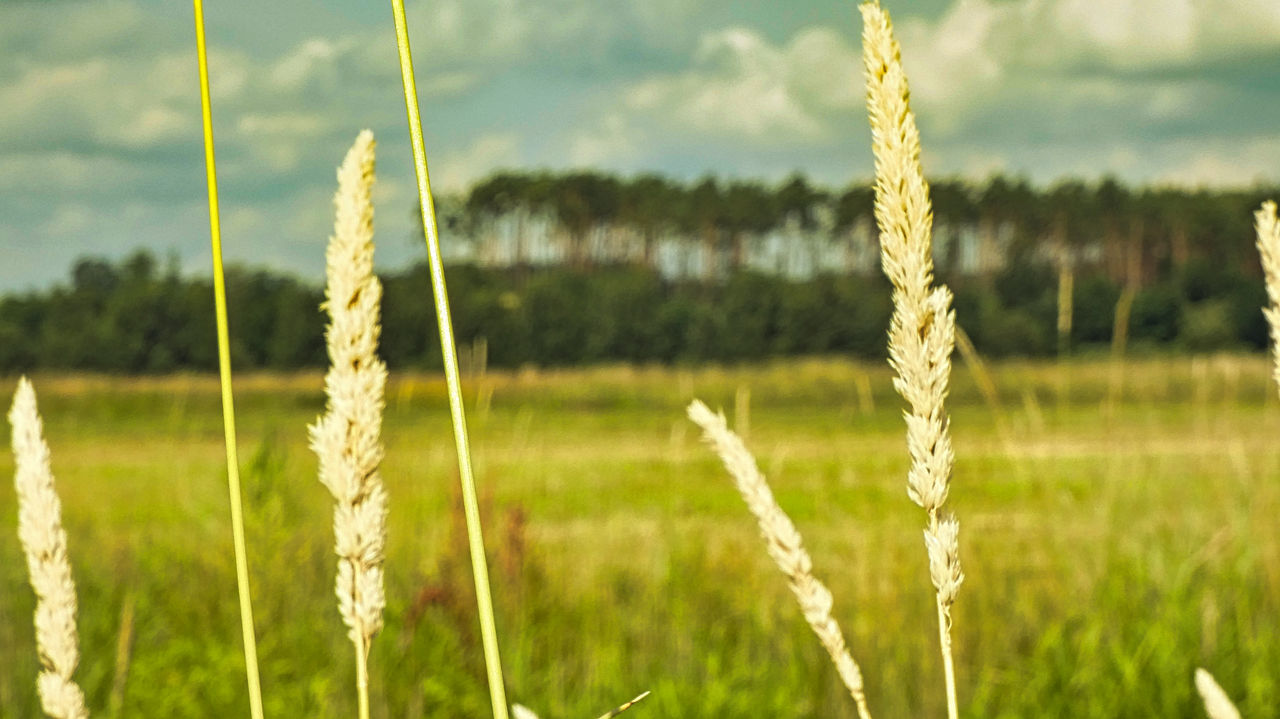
(922,330)
(785,547)
(346,438)
(45,543)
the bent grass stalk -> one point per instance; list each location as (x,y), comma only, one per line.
(449,352)
(224,374)
(922,331)
(784,546)
(45,544)
(346,437)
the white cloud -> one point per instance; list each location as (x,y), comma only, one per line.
(313,57)
(62,31)
(1232,163)
(956,57)
(962,57)
(64,172)
(151,126)
(277,124)
(455,170)
(468,30)
(1126,31)
(69,219)
(614,140)
(120,102)
(742,85)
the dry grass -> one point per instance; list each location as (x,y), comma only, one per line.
(346,438)
(922,331)
(1216,703)
(45,544)
(1268,228)
(784,546)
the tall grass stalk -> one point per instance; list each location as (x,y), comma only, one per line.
(224,374)
(1268,228)
(346,438)
(449,352)
(986,384)
(784,545)
(922,330)
(45,544)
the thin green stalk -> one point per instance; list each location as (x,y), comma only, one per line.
(479,565)
(948,662)
(224,371)
(362,678)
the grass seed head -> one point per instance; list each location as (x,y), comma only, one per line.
(45,543)
(1216,703)
(347,437)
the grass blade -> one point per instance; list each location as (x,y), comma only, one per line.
(224,373)
(475,539)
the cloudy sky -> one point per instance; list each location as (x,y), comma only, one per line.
(100,129)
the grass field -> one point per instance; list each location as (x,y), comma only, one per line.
(1119,529)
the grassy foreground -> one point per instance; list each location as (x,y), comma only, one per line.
(1119,530)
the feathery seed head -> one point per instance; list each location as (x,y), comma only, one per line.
(347,437)
(519,711)
(902,205)
(922,330)
(1268,228)
(944,558)
(1216,702)
(45,543)
(784,545)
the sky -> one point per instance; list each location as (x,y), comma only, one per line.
(100,141)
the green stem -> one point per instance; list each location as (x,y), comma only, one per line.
(475,539)
(362,677)
(948,666)
(224,372)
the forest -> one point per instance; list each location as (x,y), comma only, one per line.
(556,269)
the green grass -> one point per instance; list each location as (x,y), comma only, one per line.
(1114,537)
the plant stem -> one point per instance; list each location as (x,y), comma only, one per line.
(448,350)
(948,666)
(362,677)
(224,373)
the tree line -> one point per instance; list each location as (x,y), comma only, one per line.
(710,228)
(1035,272)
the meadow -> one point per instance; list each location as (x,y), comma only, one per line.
(1119,531)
